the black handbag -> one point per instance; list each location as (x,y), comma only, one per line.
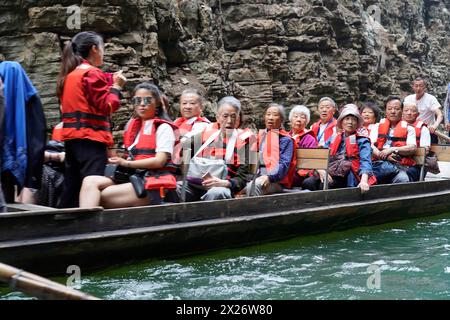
(138,182)
(118,174)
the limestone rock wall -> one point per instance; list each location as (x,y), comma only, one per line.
(287,51)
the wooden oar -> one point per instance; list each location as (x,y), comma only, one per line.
(39,287)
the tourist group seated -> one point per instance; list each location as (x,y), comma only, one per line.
(224,161)
(194,158)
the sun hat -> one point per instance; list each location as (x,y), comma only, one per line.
(349,109)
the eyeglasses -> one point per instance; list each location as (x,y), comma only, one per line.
(137,101)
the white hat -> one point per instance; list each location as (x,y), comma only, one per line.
(350,109)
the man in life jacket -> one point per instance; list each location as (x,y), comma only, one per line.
(221,140)
(423,136)
(325,128)
(276,155)
(393,145)
(191,107)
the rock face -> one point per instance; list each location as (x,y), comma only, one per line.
(286,51)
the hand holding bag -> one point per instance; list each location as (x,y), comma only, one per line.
(199,166)
(431,163)
(118,174)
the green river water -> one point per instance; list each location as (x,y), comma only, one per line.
(405,260)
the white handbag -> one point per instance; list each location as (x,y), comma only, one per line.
(200,166)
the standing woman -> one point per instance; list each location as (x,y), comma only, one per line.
(88,99)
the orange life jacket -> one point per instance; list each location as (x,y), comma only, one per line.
(184,125)
(219,152)
(271,154)
(146,145)
(81,120)
(297,138)
(398,140)
(57,132)
(352,153)
(329,131)
(418,125)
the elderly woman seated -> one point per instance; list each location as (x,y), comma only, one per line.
(350,155)
(276,153)
(299,118)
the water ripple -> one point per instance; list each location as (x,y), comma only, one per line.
(410,259)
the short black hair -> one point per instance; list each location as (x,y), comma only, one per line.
(391,98)
(154,90)
(420,79)
(372,106)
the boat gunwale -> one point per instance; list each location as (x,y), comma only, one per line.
(93,250)
(371,195)
(26,226)
(210,222)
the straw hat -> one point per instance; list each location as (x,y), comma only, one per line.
(350,109)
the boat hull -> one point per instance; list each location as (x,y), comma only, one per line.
(48,242)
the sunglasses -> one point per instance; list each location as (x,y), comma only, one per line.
(137,101)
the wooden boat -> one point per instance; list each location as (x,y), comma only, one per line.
(48,241)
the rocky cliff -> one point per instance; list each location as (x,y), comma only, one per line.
(287,51)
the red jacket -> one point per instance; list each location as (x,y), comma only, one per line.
(87,103)
(57,132)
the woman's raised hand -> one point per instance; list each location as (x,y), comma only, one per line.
(119,79)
